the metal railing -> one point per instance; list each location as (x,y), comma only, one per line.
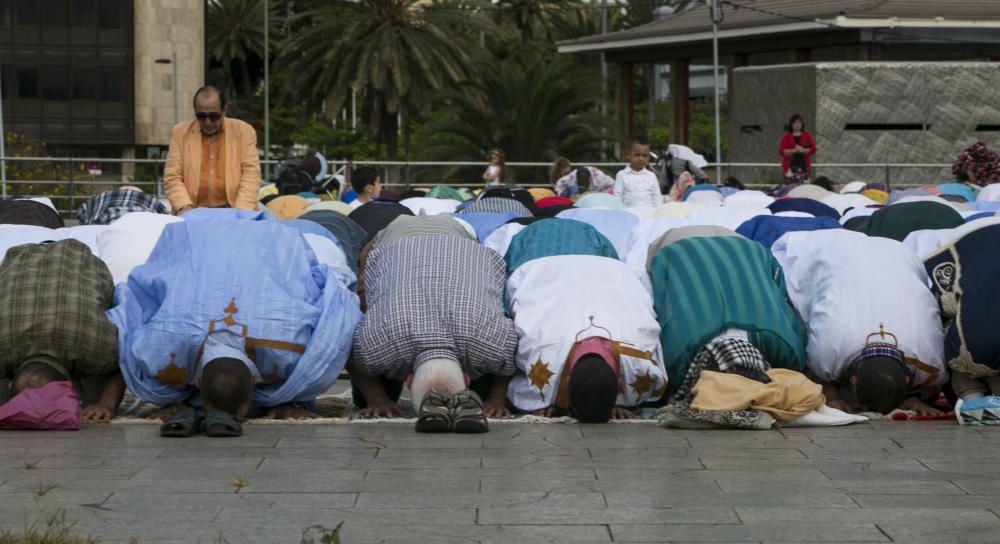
(76,184)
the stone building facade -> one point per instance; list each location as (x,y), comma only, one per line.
(865,112)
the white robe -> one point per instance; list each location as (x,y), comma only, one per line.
(845,284)
(129,241)
(552,299)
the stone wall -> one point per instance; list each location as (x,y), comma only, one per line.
(910,112)
(162,28)
(758,113)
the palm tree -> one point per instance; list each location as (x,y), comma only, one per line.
(535,105)
(392,52)
(535,20)
(235,30)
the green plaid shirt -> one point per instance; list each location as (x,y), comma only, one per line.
(52,302)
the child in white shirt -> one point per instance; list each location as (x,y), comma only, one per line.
(637,186)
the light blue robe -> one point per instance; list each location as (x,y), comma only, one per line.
(198,273)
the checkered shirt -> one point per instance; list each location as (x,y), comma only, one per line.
(497,205)
(52,302)
(105,208)
(434,297)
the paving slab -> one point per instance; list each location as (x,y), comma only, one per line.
(876,482)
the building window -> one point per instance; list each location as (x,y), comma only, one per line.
(111,14)
(4,13)
(85,83)
(26,12)
(56,13)
(84,13)
(27,83)
(55,82)
(112,84)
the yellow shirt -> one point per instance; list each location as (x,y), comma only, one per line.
(212,189)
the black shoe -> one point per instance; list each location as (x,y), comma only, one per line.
(184,423)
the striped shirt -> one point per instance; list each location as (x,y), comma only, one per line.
(703,286)
(52,302)
(434,297)
(551,237)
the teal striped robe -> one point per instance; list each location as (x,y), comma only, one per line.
(703,286)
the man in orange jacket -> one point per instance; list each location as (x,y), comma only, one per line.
(212,162)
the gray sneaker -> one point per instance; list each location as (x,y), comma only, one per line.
(435,414)
(467,413)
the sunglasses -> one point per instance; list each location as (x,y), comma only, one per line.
(212,116)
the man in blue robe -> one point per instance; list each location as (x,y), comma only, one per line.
(230,318)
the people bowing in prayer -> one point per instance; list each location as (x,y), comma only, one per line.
(53,328)
(875,342)
(963,276)
(721,305)
(588,337)
(435,319)
(231,318)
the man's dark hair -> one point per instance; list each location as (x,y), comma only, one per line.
(638,140)
(881,384)
(309,165)
(226,384)
(208,89)
(362,177)
(35,375)
(824,182)
(583,179)
(593,388)
(731,181)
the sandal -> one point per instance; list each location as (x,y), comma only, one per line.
(218,423)
(434,416)
(467,413)
(182,424)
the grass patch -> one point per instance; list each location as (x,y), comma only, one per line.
(42,490)
(240,481)
(54,530)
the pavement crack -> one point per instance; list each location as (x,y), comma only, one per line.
(885,534)
(611,536)
(372,443)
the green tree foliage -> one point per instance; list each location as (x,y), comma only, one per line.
(235,30)
(535,20)
(391,52)
(535,105)
(334,142)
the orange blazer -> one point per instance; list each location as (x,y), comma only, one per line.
(182,175)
